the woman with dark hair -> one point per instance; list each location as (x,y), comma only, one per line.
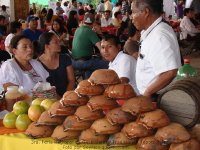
(49,18)
(58,29)
(15,29)
(58,65)
(22,70)
(72,21)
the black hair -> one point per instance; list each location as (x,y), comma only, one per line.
(3,7)
(14,26)
(44,11)
(71,14)
(60,22)
(117,13)
(44,39)
(156,6)
(108,11)
(49,15)
(186,11)
(112,37)
(15,40)
(81,12)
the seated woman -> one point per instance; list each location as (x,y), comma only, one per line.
(118,19)
(61,33)
(58,65)
(22,70)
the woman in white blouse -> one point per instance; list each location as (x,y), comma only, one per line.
(22,70)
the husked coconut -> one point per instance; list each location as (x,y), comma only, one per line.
(86,88)
(150,143)
(153,119)
(39,131)
(61,135)
(71,123)
(192,144)
(104,76)
(101,103)
(45,119)
(137,105)
(71,98)
(120,91)
(58,110)
(102,126)
(83,113)
(90,137)
(120,139)
(117,116)
(173,133)
(134,130)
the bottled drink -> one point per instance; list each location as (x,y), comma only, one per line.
(12,95)
(186,71)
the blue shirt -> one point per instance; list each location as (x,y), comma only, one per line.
(32,35)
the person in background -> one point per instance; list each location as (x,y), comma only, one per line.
(118,19)
(15,29)
(195,5)
(32,32)
(81,13)
(100,8)
(159,55)
(42,18)
(4,13)
(22,70)
(107,5)
(59,66)
(117,7)
(2,27)
(188,29)
(106,20)
(123,64)
(72,21)
(131,46)
(59,30)
(83,48)
(49,19)
(80,5)
(179,9)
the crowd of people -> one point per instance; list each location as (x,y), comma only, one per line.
(142,48)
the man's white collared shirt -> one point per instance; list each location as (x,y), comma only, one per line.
(159,53)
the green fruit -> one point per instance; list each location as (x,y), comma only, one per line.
(9,120)
(34,112)
(20,107)
(37,101)
(22,122)
(46,103)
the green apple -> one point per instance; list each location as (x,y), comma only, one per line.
(37,101)
(22,122)
(46,103)
(34,112)
(20,107)
(9,120)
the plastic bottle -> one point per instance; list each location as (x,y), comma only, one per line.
(12,95)
(186,71)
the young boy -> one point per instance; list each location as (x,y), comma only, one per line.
(123,64)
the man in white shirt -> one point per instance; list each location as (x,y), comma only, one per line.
(188,29)
(106,20)
(123,64)
(159,55)
(186,25)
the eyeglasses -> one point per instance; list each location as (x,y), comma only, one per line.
(140,55)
